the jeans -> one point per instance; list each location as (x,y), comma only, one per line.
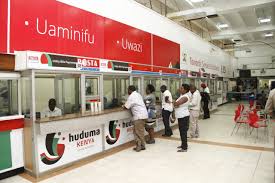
(183,128)
(165,116)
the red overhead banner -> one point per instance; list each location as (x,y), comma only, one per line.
(3,25)
(126,43)
(51,26)
(166,53)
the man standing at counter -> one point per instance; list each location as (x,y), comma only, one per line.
(139,112)
(194,108)
(205,99)
(52,110)
(167,109)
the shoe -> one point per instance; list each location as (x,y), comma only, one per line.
(182,150)
(137,149)
(164,135)
(151,141)
(179,147)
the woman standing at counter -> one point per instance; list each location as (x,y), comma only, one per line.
(182,114)
(150,102)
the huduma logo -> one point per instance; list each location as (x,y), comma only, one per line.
(54,149)
(114,132)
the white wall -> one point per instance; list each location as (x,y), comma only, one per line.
(259,57)
(132,13)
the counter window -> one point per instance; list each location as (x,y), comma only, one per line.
(8,97)
(174,88)
(26,95)
(57,94)
(156,82)
(91,91)
(212,86)
(136,83)
(91,85)
(115,91)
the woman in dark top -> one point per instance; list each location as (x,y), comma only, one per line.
(150,102)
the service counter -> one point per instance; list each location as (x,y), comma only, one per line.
(74,122)
(67,139)
(11,125)
(11,140)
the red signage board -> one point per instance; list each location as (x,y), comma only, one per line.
(3,25)
(126,43)
(166,53)
(51,26)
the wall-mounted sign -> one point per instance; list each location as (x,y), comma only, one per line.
(193,74)
(120,66)
(37,60)
(213,76)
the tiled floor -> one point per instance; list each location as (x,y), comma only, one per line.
(203,163)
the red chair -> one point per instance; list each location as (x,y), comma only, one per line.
(238,119)
(254,123)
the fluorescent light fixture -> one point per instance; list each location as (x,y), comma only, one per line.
(264,20)
(222,26)
(270,34)
(196,1)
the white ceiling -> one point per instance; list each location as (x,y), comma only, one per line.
(241,16)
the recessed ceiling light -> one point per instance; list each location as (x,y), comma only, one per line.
(270,34)
(196,1)
(264,20)
(222,26)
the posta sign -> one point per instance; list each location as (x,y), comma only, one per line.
(53,27)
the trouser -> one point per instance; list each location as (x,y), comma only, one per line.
(194,119)
(139,133)
(183,128)
(206,113)
(165,116)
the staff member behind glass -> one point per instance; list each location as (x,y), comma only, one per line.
(52,110)
(167,108)
(205,99)
(140,115)
(182,114)
(194,108)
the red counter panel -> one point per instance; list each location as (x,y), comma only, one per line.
(11,124)
(166,53)
(3,25)
(126,43)
(51,26)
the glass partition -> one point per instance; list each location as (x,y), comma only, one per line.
(174,88)
(136,83)
(26,96)
(8,97)
(62,96)
(212,86)
(91,90)
(156,82)
(115,90)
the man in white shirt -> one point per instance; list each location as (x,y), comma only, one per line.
(205,99)
(52,110)
(194,108)
(140,114)
(167,108)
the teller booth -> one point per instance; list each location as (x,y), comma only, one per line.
(72,106)
(11,119)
